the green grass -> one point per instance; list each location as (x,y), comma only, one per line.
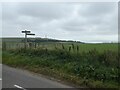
(53,45)
(0,51)
(91,65)
(0,55)
(91,69)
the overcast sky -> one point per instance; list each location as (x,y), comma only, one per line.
(88,22)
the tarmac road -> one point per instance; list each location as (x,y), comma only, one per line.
(16,78)
(0,76)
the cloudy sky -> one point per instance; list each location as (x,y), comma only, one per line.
(88,22)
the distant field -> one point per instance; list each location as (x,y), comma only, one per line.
(16,43)
(12,39)
(99,47)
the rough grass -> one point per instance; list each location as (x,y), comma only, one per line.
(91,68)
(0,51)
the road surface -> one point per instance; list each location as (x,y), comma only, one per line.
(0,76)
(16,78)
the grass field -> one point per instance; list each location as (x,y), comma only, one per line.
(91,65)
(12,43)
(53,45)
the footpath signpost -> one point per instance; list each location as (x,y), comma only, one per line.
(27,33)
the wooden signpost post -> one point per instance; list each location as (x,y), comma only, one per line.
(26,33)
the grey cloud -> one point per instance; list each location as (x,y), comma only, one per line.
(46,11)
(97,9)
(106,23)
(84,21)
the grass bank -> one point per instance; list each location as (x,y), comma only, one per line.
(87,69)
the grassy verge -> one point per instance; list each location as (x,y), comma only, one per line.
(0,58)
(87,69)
(0,51)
